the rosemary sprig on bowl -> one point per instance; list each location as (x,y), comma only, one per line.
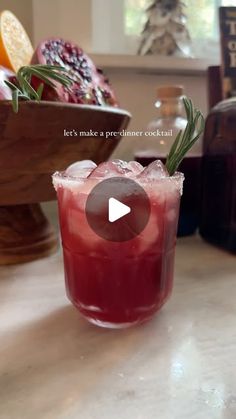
(23,88)
(187,138)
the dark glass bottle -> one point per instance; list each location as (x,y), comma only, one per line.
(218,212)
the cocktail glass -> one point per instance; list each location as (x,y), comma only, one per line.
(118,284)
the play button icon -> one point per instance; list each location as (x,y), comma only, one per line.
(117,209)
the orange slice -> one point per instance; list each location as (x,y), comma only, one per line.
(15,47)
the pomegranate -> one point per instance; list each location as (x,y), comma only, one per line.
(89,86)
(5,91)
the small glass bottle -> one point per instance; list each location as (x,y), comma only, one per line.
(156,144)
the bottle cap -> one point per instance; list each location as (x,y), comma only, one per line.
(170,91)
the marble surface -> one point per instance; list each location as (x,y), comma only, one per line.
(180,365)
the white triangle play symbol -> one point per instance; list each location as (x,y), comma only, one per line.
(117,210)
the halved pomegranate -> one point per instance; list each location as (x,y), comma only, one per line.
(5,91)
(90,86)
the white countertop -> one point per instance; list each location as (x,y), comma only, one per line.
(180,365)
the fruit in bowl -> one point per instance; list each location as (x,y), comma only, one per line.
(89,84)
(16,49)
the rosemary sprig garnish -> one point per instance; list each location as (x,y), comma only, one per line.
(187,138)
(46,73)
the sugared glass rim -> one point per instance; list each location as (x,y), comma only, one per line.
(63,176)
(61,179)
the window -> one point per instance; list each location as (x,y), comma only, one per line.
(202,22)
(135,16)
(125,20)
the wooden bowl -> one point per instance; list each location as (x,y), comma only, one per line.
(40,139)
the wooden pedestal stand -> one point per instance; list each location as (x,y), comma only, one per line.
(33,145)
(25,234)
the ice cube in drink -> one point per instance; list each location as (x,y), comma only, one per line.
(118,284)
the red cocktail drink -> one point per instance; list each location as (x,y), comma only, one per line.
(117,284)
